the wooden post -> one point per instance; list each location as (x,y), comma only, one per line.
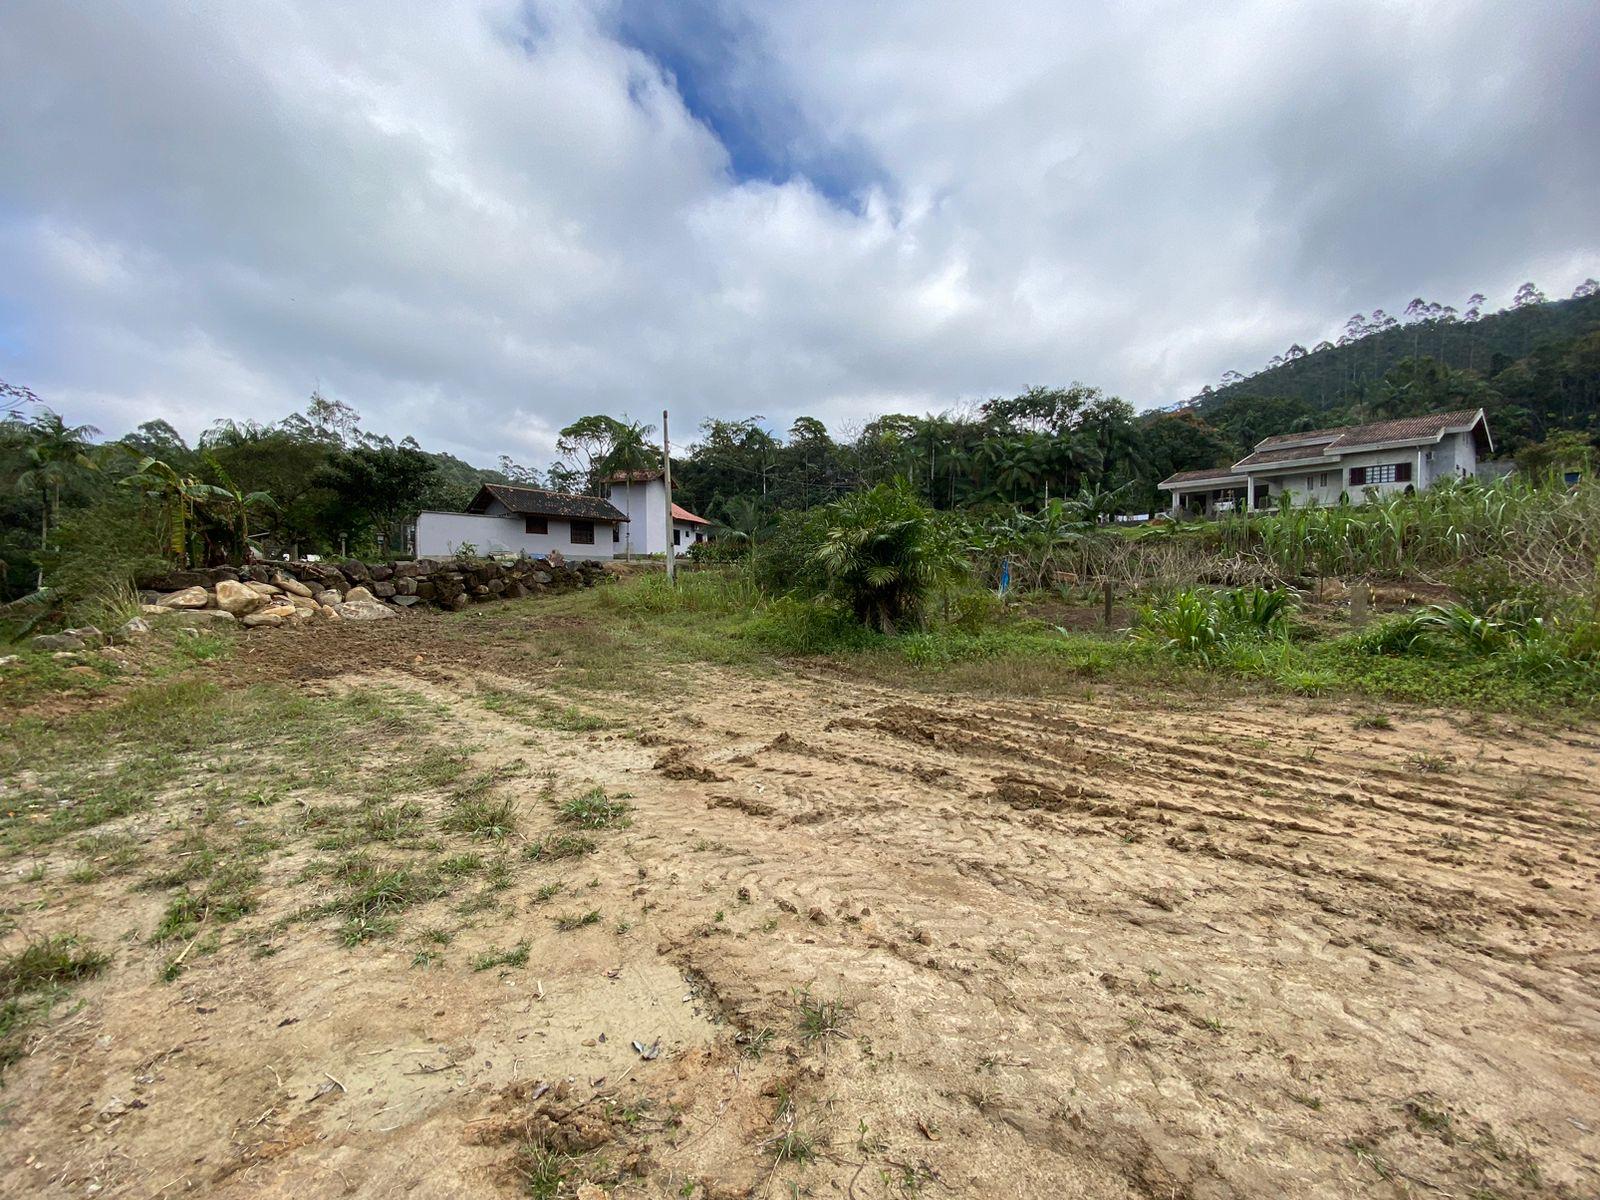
(1106,614)
(666,478)
(1358,604)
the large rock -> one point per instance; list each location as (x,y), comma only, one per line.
(89,635)
(328,597)
(404,585)
(458,601)
(365,610)
(134,627)
(57,642)
(291,585)
(300,601)
(271,616)
(218,574)
(426,589)
(358,595)
(241,599)
(382,589)
(264,589)
(407,601)
(381,572)
(355,571)
(190,597)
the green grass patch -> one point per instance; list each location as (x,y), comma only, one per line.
(593,809)
(517,956)
(559,845)
(32,980)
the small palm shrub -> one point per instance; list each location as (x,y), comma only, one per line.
(1188,622)
(1265,610)
(882,553)
(1202,624)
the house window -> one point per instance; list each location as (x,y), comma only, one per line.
(677,536)
(1324,479)
(616,534)
(1382,473)
(531,524)
(583,533)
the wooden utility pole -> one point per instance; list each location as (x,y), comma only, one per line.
(666,478)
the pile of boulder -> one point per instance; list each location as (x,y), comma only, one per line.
(290,593)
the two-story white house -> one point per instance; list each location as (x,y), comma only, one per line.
(1325,465)
(641,496)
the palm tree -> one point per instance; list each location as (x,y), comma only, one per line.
(57,455)
(630,449)
(744,521)
(883,553)
(233,507)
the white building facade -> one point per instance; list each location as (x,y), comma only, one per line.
(516,520)
(1327,466)
(641,496)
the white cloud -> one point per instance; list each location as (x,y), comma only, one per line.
(476,221)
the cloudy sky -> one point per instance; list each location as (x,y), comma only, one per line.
(474,221)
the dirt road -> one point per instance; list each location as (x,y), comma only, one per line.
(881,942)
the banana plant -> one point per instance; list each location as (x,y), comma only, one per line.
(179,496)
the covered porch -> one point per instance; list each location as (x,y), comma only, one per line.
(1197,494)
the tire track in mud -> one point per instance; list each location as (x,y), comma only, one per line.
(1037,862)
(1092,946)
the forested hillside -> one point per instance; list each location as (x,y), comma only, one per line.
(316,482)
(1533,366)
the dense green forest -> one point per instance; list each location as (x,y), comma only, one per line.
(316,482)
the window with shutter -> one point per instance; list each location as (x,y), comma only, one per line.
(531,524)
(1358,476)
(583,533)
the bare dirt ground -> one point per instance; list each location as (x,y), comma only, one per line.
(878,941)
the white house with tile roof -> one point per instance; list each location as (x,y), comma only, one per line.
(641,496)
(503,519)
(1323,465)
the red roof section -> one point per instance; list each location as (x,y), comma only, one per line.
(680,513)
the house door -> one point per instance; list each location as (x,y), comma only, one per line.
(1263,495)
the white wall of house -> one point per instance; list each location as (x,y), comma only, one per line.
(442,534)
(1321,484)
(645,501)
(1454,457)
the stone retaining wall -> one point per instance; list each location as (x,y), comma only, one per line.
(279,593)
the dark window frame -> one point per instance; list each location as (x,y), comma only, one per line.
(581,532)
(536,524)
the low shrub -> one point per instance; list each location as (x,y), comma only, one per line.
(790,625)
